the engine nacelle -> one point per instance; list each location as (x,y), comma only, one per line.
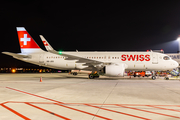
(116,69)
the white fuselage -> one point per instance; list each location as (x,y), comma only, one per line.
(143,61)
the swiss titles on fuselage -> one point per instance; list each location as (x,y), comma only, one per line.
(141,57)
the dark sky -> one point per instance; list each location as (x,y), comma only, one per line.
(134,25)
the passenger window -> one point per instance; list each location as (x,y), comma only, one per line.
(166,58)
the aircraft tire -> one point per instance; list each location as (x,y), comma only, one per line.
(75,73)
(153,77)
(91,76)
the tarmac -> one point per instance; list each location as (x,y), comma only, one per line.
(60,96)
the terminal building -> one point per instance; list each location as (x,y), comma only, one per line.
(31,70)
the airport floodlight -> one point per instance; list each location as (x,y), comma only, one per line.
(178,39)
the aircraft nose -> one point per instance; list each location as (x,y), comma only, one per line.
(176,64)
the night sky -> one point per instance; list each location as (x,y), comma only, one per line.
(134,25)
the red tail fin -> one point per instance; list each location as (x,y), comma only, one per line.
(27,43)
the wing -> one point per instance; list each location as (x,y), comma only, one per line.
(79,59)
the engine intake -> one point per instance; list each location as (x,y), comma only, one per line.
(116,69)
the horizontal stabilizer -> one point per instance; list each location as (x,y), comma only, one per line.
(15,55)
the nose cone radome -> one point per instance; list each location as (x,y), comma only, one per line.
(175,64)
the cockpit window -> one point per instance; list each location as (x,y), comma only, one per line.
(166,58)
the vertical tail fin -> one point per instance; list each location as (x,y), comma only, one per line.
(27,43)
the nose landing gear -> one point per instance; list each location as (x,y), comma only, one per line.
(153,75)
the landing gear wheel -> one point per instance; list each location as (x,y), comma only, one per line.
(166,78)
(91,76)
(153,77)
(75,73)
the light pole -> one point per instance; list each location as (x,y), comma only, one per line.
(178,39)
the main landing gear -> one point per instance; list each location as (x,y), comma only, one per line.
(75,73)
(93,75)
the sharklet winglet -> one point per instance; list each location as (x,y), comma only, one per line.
(46,44)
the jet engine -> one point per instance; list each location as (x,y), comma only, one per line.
(116,69)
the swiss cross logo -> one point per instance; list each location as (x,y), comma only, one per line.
(45,43)
(25,39)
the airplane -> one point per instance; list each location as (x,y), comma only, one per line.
(100,63)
